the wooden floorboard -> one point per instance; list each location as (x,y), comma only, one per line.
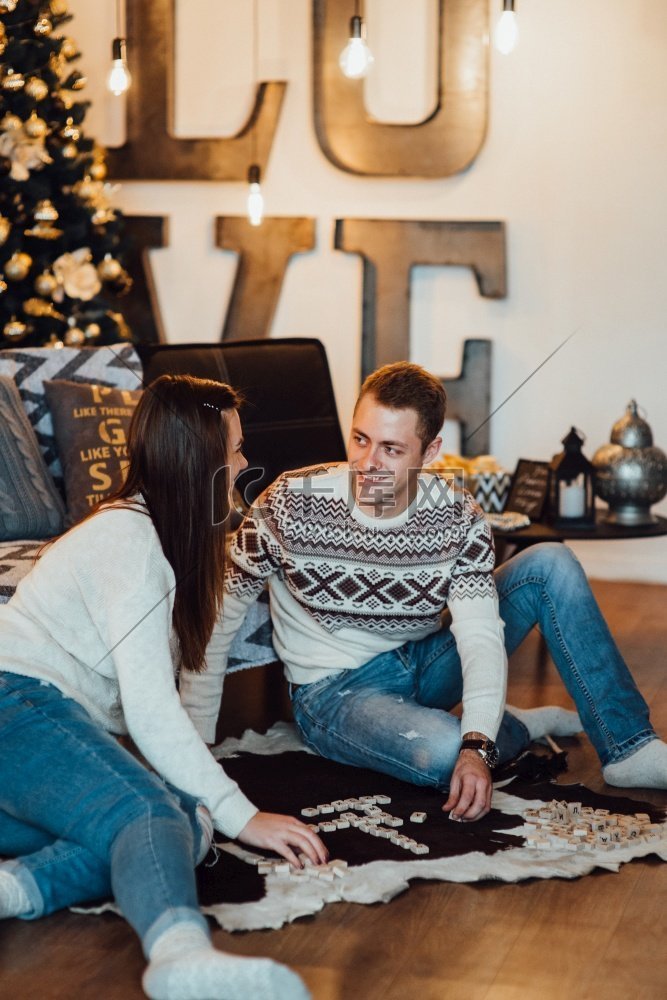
(596,938)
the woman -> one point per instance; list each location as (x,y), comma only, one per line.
(89,648)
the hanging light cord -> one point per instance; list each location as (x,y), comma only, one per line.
(255,75)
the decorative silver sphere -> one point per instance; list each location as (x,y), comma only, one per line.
(631,473)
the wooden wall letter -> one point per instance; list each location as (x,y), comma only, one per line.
(140,307)
(151,152)
(390,249)
(447,141)
(264,252)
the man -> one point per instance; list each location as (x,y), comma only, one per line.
(362,559)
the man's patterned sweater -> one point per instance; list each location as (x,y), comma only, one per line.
(345,586)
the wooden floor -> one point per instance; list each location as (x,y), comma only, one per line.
(601,937)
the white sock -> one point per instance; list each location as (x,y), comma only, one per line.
(184,965)
(645,768)
(547,720)
(13,899)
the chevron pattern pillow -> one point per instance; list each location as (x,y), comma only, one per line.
(115,365)
(30,505)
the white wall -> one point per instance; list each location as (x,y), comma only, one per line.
(574,162)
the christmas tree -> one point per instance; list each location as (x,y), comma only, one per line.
(60,240)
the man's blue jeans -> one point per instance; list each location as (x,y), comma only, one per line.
(393,713)
(83,819)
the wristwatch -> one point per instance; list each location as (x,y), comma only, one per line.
(486,749)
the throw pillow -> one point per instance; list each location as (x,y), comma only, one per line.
(30,368)
(30,505)
(90,424)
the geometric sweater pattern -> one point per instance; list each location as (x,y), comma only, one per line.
(343,573)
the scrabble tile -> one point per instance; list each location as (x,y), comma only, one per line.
(325,808)
(383,800)
(417,817)
(327,827)
(310,811)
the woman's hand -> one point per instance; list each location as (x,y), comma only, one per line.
(470,789)
(281,834)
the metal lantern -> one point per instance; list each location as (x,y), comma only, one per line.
(572,485)
(631,473)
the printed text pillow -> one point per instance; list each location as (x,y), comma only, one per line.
(90,424)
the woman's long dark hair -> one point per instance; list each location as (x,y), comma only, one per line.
(178,448)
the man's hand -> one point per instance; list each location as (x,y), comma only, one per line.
(470,788)
(281,834)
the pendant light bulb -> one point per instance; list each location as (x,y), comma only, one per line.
(255,197)
(356,58)
(507,29)
(119,78)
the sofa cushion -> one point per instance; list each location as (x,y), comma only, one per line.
(113,365)
(90,423)
(30,505)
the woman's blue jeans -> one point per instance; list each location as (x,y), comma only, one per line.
(83,819)
(393,713)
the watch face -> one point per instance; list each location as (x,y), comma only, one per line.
(486,749)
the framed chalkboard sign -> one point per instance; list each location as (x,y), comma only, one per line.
(529,489)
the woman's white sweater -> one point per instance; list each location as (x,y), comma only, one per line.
(94,618)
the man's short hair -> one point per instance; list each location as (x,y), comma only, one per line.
(404,386)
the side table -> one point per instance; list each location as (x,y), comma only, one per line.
(540,531)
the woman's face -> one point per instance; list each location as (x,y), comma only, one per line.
(236,460)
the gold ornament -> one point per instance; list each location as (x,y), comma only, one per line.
(98,170)
(92,331)
(109,268)
(45,211)
(5,229)
(79,83)
(70,151)
(103,216)
(38,307)
(10,123)
(18,265)
(87,188)
(42,27)
(75,337)
(56,63)
(35,127)
(55,342)
(3,286)
(70,131)
(58,7)
(124,331)
(44,231)
(8,6)
(15,329)
(36,88)
(12,80)
(46,284)
(3,37)
(69,49)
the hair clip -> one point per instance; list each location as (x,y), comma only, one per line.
(212,406)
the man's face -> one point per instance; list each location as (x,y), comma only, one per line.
(385,452)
